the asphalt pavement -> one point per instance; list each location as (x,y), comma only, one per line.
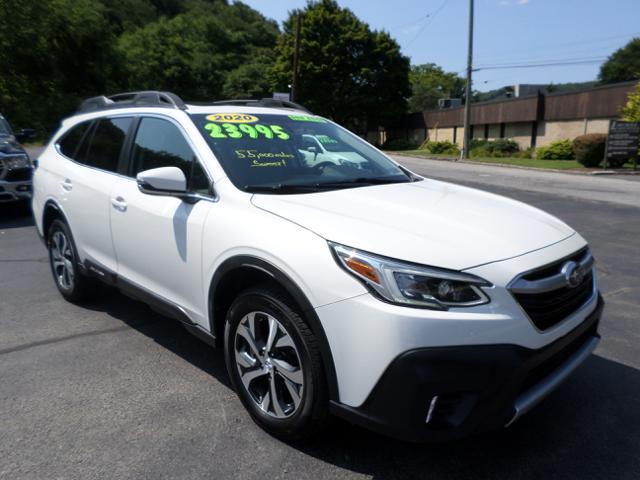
(113,390)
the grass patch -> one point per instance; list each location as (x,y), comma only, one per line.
(522,162)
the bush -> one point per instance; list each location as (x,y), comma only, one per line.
(494,148)
(399,144)
(589,149)
(444,147)
(477,143)
(558,150)
(479,152)
(527,153)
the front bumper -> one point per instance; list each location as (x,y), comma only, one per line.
(12,191)
(476,388)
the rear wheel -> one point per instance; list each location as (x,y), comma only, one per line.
(274,364)
(63,258)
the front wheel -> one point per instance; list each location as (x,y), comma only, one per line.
(275,365)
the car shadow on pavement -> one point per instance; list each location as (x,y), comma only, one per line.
(589,428)
(15,215)
(163,330)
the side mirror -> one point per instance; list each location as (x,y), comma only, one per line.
(166,181)
(25,134)
(312,149)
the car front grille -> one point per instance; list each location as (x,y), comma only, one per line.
(547,296)
(18,175)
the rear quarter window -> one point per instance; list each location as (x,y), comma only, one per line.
(70,142)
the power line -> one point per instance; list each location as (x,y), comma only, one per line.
(539,65)
(412,22)
(428,22)
(566,44)
(541,60)
(535,63)
(515,57)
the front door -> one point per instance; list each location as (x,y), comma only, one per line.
(158,239)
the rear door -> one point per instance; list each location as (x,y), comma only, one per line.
(158,239)
(86,181)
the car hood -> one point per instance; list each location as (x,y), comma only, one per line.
(8,145)
(427,222)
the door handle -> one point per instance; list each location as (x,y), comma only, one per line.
(119,204)
(67,185)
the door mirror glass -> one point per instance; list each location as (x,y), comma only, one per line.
(162,181)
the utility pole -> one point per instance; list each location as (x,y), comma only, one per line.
(296,63)
(467,101)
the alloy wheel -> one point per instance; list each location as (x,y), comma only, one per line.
(62,260)
(269,364)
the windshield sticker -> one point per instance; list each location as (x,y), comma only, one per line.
(260,155)
(244,130)
(326,139)
(232,118)
(307,118)
(265,159)
(269,163)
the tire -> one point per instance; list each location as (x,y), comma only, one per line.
(63,259)
(292,368)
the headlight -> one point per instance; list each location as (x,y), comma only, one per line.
(413,285)
(17,161)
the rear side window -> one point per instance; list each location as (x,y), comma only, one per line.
(71,140)
(159,143)
(106,143)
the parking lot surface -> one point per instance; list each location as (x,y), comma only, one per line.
(113,390)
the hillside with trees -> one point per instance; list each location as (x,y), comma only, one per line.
(430,83)
(202,50)
(623,65)
(348,72)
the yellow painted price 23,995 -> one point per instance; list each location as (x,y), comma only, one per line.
(231,130)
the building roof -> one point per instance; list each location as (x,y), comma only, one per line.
(597,102)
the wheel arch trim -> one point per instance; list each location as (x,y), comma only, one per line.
(292,289)
(51,203)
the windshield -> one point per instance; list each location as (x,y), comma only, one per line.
(5,129)
(293,153)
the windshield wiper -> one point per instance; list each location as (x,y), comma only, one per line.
(315,187)
(283,188)
(362,181)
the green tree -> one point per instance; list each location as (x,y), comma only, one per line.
(347,71)
(51,61)
(623,64)
(429,83)
(251,79)
(193,53)
(631,111)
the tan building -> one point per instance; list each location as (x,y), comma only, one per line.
(531,121)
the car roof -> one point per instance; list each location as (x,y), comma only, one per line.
(190,109)
(201,109)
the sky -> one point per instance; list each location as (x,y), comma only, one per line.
(506,32)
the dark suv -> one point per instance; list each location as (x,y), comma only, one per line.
(15,166)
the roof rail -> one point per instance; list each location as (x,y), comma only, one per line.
(265,102)
(132,99)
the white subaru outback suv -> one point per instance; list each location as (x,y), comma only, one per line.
(417,308)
